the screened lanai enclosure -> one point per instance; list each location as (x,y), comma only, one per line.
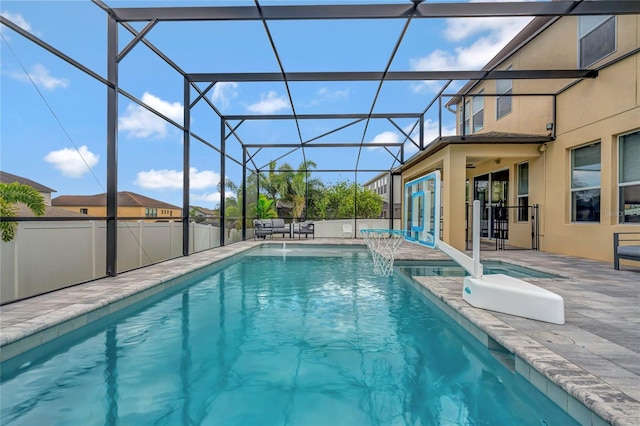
(314,106)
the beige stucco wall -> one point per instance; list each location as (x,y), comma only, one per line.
(557,48)
(452,162)
(592,110)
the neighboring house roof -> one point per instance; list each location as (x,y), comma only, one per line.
(125,199)
(376,178)
(204,211)
(283,205)
(476,138)
(10,178)
(24,211)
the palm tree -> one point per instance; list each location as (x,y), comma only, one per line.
(275,182)
(298,180)
(12,194)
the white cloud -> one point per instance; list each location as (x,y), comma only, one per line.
(333,95)
(384,137)
(223,92)
(487,36)
(208,197)
(204,179)
(172,179)
(430,133)
(326,95)
(40,75)
(71,162)
(140,123)
(269,103)
(19,20)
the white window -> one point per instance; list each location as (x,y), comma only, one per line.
(523,192)
(629,177)
(596,38)
(503,102)
(585,183)
(467,118)
(478,112)
(473,114)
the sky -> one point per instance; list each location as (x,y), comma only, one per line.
(53,116)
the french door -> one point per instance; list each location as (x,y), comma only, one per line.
(492,189)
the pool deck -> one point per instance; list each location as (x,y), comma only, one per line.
(593,360)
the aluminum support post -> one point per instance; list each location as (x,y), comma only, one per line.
(223,181)
(186,152)
(112,148)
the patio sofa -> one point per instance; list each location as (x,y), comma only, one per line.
(626,245)
(264,227)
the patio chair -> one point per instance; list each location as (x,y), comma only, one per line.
(305,228)
(347,230)
(260,230)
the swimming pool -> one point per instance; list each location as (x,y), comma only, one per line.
(449,268)
(274,337)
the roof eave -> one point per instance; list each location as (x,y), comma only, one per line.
(439,144)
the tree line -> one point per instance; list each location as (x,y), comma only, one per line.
(299,195)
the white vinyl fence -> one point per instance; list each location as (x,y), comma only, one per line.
(46,256)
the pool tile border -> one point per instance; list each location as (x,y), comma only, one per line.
(585,397)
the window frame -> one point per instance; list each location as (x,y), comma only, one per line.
(474,113)
(519,196)
(467,118)
(621,185)
(581,37)
(504,94)
(573,190)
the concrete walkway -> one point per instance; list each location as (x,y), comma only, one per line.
(594,358)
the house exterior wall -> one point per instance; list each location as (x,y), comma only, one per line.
(452,160)
(593,110)
(47,198)
(381,185)
(124,211)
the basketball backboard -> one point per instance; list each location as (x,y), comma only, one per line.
(422,209)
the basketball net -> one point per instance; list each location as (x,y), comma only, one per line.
(382,244)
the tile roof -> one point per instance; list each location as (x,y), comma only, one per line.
(125,199)
(204,210)
(24,211)
(10,178)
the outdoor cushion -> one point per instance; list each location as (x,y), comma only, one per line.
(629,251)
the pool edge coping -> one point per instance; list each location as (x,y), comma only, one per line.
(536,363)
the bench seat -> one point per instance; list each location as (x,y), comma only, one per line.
(625,247)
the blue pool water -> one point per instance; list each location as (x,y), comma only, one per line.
(274,338)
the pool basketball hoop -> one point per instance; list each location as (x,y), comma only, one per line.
(383,244)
